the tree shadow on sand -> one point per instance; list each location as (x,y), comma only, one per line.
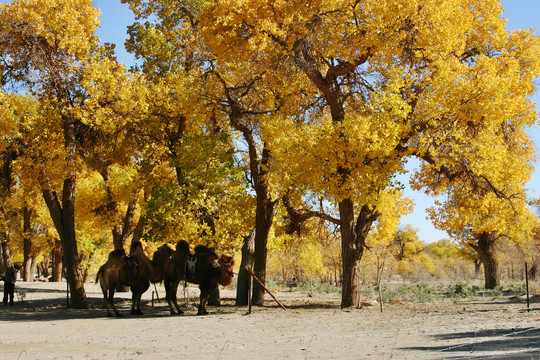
(510,343)
(54,309)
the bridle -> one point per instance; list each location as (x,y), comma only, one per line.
(224,264)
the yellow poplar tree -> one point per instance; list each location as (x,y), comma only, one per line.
(205,199)
(370,83)
(115,108)
(50,52)
(13,109)
(482,220)
(43,44)
(407,243)
(217,97)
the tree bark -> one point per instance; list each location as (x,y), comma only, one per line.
(33,267)
(139,229)
(258,168)
(43,267)
(477,265)
(63,217)
(57,261)
(353,238)
(71,253)
(533,271)
(1,256)
(6,182)
(246,265)
(4,242)
(485,248)
(6,253)
(264,216)
(120,232)
(264,211)
(27,244)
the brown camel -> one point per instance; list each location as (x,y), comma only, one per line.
(135,270)
(204,268)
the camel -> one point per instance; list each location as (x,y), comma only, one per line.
(209,271)
(136,271)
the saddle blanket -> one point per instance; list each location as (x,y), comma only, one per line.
(133,267)
(192,265)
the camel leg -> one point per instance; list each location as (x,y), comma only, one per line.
(104,290)
(108,297)
(138,309)
(175,299)
(136,303)
(206,289)
(168,294)
(171,288)
(111,302)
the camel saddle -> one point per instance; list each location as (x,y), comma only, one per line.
(133,267)
(191,265)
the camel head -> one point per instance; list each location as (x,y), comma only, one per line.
(225,263)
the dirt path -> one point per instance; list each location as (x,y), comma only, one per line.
(312,328)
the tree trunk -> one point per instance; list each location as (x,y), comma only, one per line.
(43,267)
(63,217)
(533,271)
(477,265)
(33,267)
(486,252)
(351,253)
(57,261)
(6,253)
(120,232)
(353,237)
(69,246)
(246,265)
(1,257)
(264,217)
(27,244)
(264,211)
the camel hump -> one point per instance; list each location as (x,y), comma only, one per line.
(117,253)
(134,246)
(182,246)
(201,249)
(162,253)
(167,249)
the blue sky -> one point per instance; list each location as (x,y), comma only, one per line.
(521,14)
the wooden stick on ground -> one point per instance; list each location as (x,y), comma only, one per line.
(264,287)
(249,296)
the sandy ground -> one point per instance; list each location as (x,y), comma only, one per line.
(313,327)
